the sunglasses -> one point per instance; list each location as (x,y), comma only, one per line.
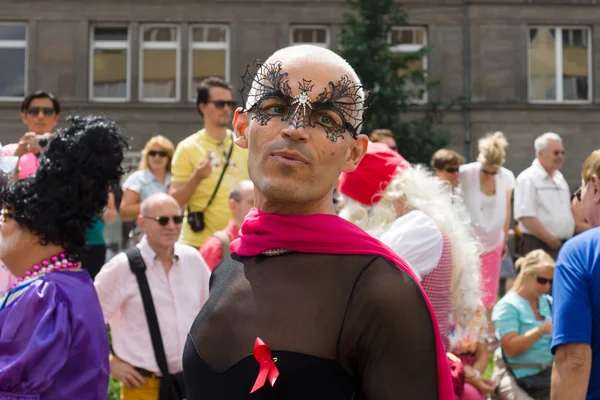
(163,221)
(35,111)
(485,171)
(160,153)
(543,281)
(220,104)
(451,170)
(578,194)
(5,214)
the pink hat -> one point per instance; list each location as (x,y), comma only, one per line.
(372,176)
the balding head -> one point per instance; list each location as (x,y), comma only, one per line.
(296,59)
(160,219)
(301,128)
(156,202)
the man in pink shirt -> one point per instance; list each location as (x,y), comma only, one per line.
(40,112)
(216,248)
(178,280)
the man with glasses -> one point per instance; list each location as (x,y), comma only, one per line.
(206,166)
(178,280)
(445,164)
(543,200)
(576,300)
(40,113)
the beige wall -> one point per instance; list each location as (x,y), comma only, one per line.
(59,62)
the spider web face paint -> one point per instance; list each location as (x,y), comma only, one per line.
(337,109)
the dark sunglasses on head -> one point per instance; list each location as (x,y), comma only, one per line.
(160,153)
(35,111)
(163,221)
(485,171)
(451,170)
(222,103)
(543,281)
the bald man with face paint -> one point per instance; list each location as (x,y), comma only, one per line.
(309,306)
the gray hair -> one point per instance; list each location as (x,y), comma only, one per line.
(541,142)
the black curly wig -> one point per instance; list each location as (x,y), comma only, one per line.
(78,168)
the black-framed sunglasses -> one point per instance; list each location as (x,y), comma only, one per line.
(451,170)
(491,173)
(543,281)
(5,214)
(220,104)
(163,221)
(578,194)
(35,111)
(160,153)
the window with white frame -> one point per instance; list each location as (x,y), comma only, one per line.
(411,40)
(13,64)
(310,34)
(109,64)
(560,64)
(160,63)
(209,54)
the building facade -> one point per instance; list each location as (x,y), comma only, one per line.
(528,65)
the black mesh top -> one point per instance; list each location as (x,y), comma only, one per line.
(339,326)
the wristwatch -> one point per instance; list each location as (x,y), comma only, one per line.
(476,373)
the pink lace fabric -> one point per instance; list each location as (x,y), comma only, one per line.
(436,286)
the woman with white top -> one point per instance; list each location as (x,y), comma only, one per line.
(153,176)
(487,188)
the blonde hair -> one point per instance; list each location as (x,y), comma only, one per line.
(591,166)
(163,142)
(420,190)
(528,264)
(444,157)
(492,149)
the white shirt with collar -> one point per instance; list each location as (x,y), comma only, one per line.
(548,198)
(177,296)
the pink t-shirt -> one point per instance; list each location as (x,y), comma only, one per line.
(28,163)
(6,279)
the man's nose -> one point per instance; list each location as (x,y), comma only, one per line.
(296,133)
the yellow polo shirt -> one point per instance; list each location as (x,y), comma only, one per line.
(188,154)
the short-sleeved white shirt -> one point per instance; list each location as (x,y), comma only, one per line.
(545,197)
(488,213)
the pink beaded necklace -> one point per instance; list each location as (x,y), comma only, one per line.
(55,263)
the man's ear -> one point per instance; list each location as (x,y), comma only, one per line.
(141,223)
(355,153)
(240,123)
(596,187)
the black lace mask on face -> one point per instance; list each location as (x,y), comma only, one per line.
(337,109)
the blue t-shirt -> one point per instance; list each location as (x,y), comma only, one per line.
(577,299)
(514,314)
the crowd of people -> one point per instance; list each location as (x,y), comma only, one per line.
(293,256)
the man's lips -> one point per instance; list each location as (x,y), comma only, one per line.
(289,157)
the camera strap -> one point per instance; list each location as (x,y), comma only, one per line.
(212,197)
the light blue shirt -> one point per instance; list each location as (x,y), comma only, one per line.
(146,184)
(514,314)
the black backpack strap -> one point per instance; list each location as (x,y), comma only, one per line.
(138,267)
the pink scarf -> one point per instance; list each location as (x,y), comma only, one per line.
(328,234)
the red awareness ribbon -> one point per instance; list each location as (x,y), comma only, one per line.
(262,353)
